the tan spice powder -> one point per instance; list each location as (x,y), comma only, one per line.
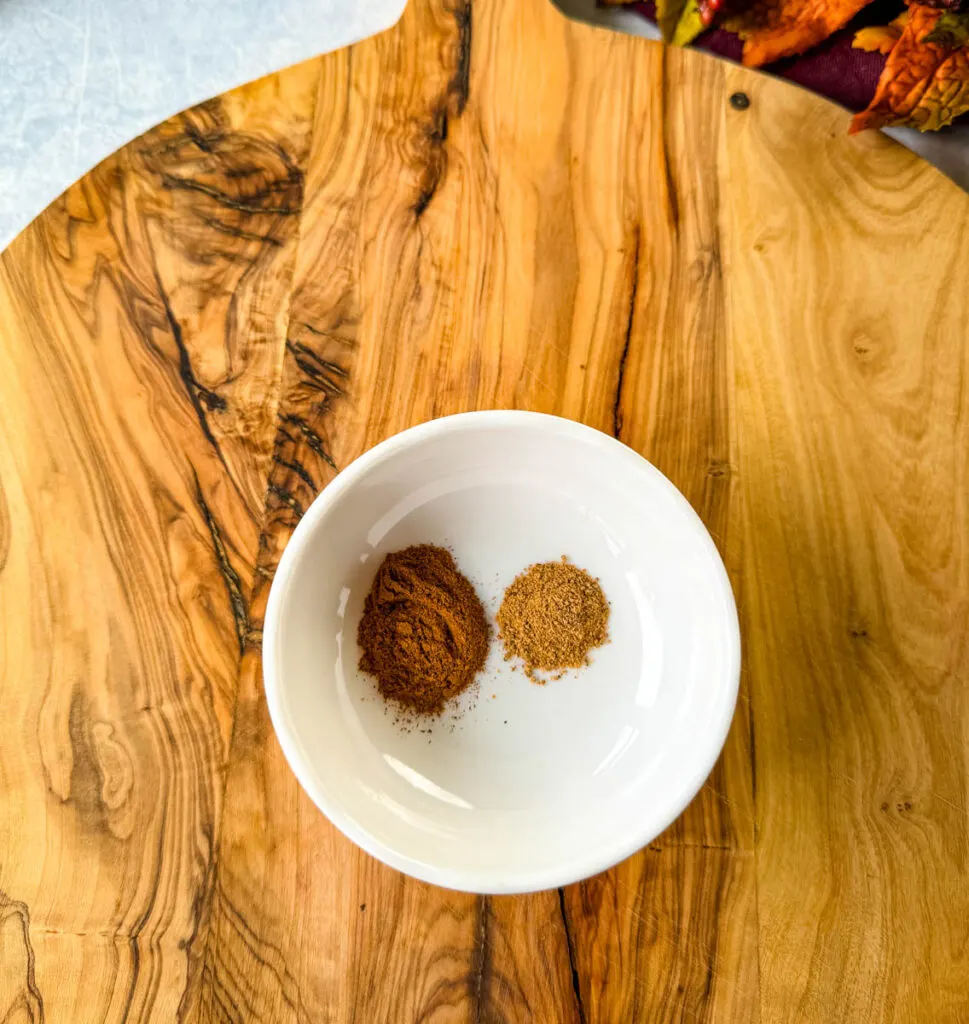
(424,633)
(552,616)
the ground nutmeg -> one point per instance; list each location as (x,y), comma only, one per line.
(552,616)
(424,633)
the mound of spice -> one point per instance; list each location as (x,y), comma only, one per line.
(552,616)
(424,633)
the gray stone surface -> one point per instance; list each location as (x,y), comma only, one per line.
(79,78)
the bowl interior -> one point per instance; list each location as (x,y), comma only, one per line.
(522,786)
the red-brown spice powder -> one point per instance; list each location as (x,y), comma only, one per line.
(424,633)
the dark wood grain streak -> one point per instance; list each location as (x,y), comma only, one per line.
(233,585)
(676,333)
(467,949)
(621,370)
(153,346)
(573,959)
(480,979)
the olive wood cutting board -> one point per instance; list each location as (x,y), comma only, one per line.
(488,206)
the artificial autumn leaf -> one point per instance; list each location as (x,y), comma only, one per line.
(772,29)
(679,21)
(952,29)
(668,13)
(697,16)
(690,24)
(880,38)
(923,84)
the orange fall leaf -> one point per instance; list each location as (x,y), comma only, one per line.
(772,29)
(880,38)
(924,84)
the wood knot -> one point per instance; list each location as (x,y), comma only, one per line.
(706,265)
(864,348)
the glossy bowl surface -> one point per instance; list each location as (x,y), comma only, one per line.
(521,786)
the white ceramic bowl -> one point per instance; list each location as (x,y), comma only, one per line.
(531,786)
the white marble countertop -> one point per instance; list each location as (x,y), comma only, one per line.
(79,78)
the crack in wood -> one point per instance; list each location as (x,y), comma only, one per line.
(324,364)
(250,205)
(205,141)
(287,499)
(451,105)
(671,194)
(621,373)
(315,368)
(234,232)
(299,469)
(318,381)
(312,438)
(436,165)
(198,393)
(573,960)
(672,197)
(233,584)
(459,87)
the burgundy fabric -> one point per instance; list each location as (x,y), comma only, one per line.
(833,68)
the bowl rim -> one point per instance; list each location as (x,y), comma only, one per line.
(502,881)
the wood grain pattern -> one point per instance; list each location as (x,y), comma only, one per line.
(858,431)
(485,207)
(143,318)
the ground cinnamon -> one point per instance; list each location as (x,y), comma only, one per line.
(424,633)
(552,616)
